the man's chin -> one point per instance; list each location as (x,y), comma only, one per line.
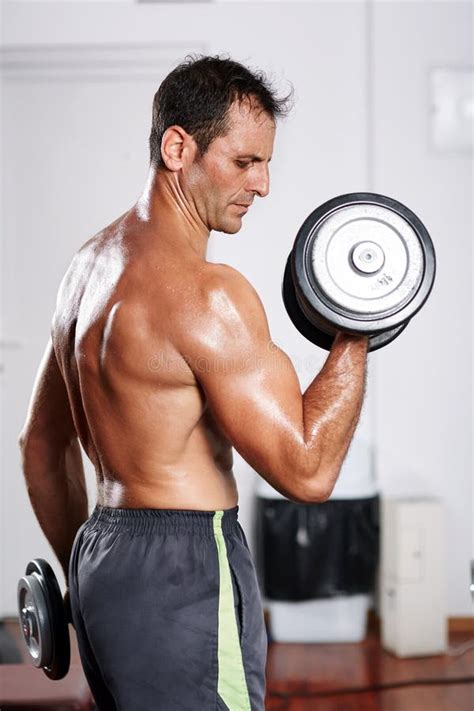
(231,227)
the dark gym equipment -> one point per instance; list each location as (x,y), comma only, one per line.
(362,263)
(43,619)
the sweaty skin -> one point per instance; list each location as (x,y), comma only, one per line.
(159,361)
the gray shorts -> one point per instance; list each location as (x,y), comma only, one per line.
(167,611)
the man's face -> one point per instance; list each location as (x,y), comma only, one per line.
(234,169)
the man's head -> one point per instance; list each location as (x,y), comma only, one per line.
(214,122)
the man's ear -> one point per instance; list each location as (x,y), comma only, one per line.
(177,148)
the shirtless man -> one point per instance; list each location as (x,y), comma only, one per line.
(159,362)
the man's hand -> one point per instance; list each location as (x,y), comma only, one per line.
(343,336)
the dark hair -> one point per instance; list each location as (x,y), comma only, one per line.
(197,94)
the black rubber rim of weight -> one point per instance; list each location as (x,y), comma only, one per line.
(313,300)
(299,320)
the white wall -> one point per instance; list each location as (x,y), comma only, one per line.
(360,122)
(424,382)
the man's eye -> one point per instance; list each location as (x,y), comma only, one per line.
(242,163)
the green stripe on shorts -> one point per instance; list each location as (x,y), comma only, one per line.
(231,685)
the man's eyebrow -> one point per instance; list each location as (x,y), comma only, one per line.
(250,156)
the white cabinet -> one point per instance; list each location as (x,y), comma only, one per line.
(413,607)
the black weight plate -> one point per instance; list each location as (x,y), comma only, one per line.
(312,299)
(314,333)
(305,327)
(59,666)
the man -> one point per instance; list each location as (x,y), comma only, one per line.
(159,363)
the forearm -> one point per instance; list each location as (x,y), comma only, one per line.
(331,409)
(56,487)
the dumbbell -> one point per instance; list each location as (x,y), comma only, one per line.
(362,263)
(44,619)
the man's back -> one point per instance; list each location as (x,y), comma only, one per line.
(141,415)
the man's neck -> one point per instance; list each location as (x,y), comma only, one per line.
(166,210)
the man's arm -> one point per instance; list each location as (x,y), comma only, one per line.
(52,461)
(296,442)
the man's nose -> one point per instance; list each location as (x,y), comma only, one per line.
(259,182)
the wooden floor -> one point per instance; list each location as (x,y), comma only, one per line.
(307,677)
(313,677)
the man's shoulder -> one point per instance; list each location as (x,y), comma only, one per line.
(224,281)
(78,269)
(228,310)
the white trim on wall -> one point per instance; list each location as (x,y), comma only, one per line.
(92,62)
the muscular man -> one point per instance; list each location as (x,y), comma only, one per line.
(159,362)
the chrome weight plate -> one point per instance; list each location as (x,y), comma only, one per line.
(43,620)
(366,259)
(34,620)
(363,262)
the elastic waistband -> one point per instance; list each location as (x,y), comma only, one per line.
(163,520)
